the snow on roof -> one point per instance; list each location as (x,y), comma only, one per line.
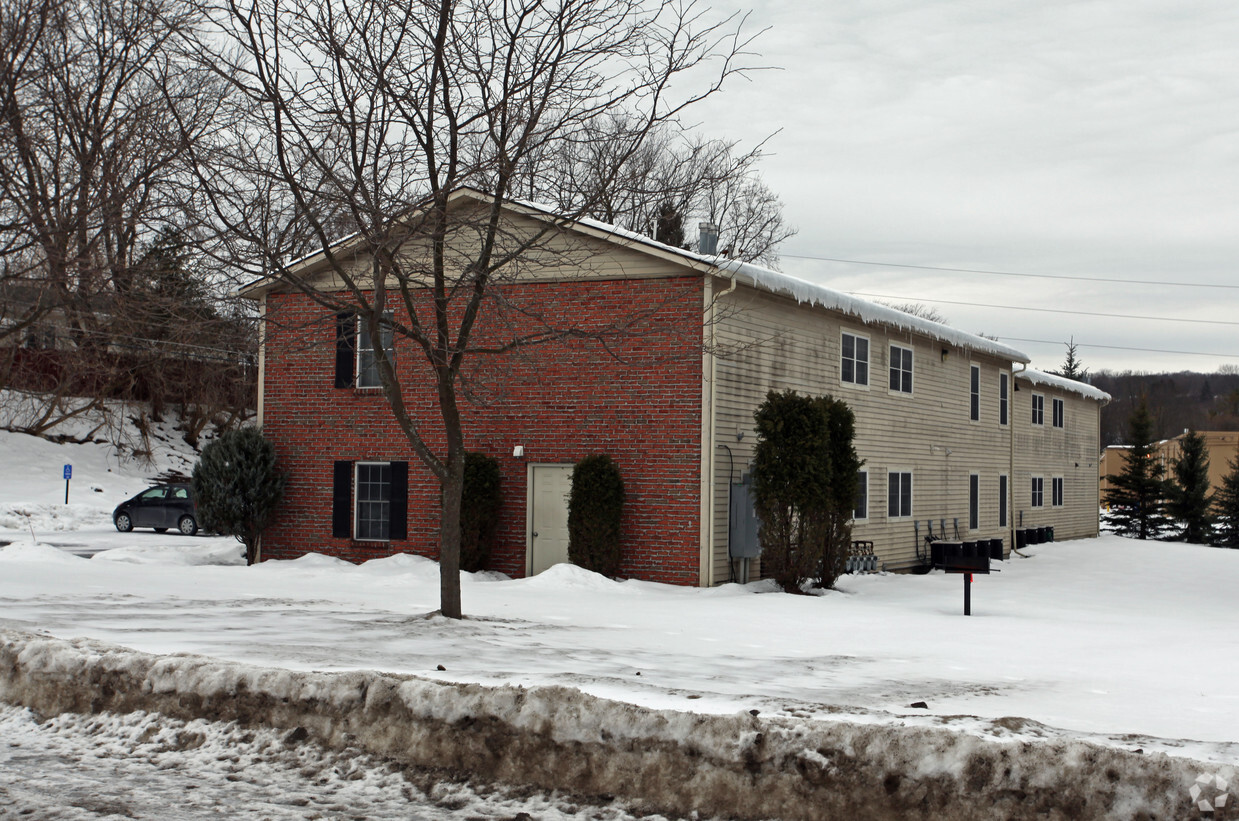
(1049,380)
(804,291)
(765,279)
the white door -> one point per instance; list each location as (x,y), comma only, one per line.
(549,486)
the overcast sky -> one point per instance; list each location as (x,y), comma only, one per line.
(1064,139)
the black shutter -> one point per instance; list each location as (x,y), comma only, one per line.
(342,500)
(398,527)
(346,349)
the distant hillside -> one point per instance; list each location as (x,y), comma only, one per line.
(1201,401)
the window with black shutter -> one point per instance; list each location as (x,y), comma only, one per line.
(342,500)
(346,349)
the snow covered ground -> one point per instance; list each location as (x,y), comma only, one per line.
(1126,643)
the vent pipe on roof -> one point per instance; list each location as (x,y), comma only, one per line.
(707,238)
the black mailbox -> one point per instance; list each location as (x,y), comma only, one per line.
(965,558)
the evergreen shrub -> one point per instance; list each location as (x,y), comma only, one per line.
(595,513)
(238,486)
(480,502)
(805,483)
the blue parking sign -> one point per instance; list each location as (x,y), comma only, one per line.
(68,472)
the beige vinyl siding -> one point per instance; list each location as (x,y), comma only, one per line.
(1044,450)
(767,342)
(561,254)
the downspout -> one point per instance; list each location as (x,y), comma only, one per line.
(1023,366)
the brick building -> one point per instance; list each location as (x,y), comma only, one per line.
(670,396)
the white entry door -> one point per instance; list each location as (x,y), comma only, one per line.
(549,486)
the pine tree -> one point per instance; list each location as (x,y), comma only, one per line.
(1189,501)
(237,486)
(1227,507)
(669,227)
(1136,495)
(1073,368)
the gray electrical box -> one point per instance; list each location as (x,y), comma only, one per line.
(743,522)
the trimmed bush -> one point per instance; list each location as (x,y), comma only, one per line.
(479,510)
(805,481)
(595,510)
(237,487)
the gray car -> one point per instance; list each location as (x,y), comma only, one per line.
(160,507)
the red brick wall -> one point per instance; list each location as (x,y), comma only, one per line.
(637,398)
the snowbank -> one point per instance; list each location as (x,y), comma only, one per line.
(742,765)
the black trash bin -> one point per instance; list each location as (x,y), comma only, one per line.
(1049,534)
(1021,538)
(995,549)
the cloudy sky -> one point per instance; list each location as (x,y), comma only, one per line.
(1061,141)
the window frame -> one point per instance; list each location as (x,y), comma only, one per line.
(904,375)
(1058,413)
(1004,489)
(900,515)
(863,485)
(1058,491)
(358,501)
(363,352)
(1037,495)
(1038,410)
(974,500)
(843,359)
(1004,398)
(974,384)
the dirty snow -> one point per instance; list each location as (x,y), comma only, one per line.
(148,766)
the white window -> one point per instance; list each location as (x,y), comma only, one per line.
(367,365)
(901,369)
(854,364)
(372,515)
(1058,411)
(1056,491)
(899,494)
(974,501)
(975,410)
(1004,384)
(1002,500)
(860,513)
(1038,409)
(1038,491)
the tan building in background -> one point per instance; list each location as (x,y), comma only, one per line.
(1221,445)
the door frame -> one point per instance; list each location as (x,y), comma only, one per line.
(529,468)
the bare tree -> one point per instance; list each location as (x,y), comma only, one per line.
(368,118)
(672,172)
(96,111)
(918,309)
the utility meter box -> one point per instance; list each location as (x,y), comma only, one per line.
(743,522)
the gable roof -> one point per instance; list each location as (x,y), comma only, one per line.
(764,279)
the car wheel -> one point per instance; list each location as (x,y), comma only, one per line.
(187,525)
(123,523)
(160,529)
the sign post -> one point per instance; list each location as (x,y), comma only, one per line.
(68,476)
